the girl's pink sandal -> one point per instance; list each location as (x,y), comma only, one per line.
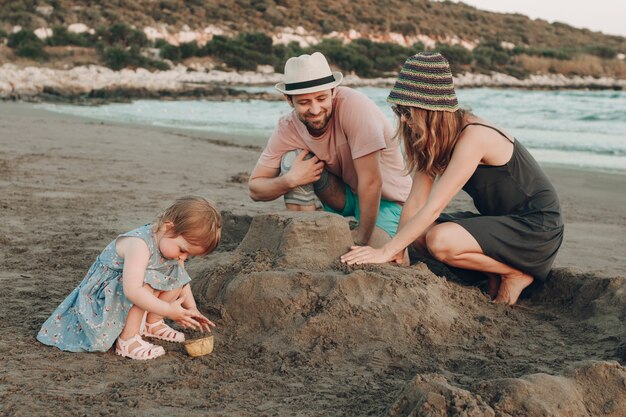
(164,333)
(141,351)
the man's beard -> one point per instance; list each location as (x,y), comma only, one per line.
(316,127)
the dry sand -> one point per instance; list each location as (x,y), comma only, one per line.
(299,333)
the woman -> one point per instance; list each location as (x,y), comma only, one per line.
(516,234)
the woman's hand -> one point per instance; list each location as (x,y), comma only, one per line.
(365,255)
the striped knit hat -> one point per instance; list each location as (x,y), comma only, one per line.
(425,81)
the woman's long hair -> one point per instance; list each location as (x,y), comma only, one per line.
(429,137)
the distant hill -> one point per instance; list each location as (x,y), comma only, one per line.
(409,17)
(242,34)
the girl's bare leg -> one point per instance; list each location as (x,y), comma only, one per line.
(167,296)
(135,314)
(453,245)
(133,320)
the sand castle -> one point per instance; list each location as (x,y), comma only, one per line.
(283,291)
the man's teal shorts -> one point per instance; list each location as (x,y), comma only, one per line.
(388,214)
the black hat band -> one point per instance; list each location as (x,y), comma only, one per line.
(308,84)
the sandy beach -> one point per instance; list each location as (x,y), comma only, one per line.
(298,333)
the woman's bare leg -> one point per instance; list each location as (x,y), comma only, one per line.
(420,243)
(453,245)
(493,285)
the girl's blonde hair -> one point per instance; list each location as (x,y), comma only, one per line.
(429,137)
(196,219)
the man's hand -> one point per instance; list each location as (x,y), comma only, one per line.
(303,171)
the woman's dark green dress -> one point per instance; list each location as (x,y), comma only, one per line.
(519,221)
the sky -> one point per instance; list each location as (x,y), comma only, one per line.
(607,16)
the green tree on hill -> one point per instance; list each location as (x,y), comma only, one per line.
(26,44)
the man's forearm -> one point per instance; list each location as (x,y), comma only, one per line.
(268,189)
(422,184)
(369,205)
(408,211)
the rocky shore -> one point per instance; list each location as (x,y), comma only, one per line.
(95,83)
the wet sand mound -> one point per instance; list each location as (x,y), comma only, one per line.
(588,389)
(284,292)
(591,298)
(285,287)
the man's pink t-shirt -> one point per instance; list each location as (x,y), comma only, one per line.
(357,128)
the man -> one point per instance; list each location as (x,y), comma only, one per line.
(337,145)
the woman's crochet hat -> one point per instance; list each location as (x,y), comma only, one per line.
(425,81)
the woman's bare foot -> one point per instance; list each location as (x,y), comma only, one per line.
(493,285)
(511,286)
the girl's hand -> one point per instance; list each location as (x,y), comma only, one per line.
(181,315)
(177,311)
(365,255)
(204,322)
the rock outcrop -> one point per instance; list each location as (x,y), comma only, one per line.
(96,82)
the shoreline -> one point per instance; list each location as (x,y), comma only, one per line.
(257,141)
(95,84)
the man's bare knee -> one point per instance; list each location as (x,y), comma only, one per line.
(298,207)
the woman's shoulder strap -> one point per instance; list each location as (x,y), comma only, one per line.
(488,126)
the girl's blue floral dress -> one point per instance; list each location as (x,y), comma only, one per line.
(94,314)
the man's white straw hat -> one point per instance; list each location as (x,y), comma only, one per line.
(308,74)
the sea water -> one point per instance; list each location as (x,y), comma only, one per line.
(584,129)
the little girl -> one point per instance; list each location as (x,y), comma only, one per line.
(139,275)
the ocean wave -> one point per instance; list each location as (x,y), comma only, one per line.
(604,117)
(581,128)
(579,149)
